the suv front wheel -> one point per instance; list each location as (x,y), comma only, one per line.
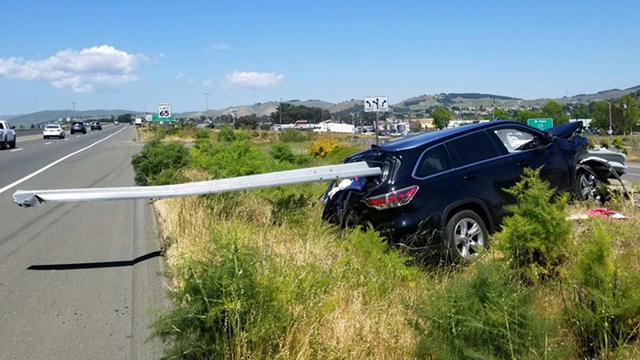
(465,235)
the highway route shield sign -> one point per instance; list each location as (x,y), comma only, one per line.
(164,110)
(376,104)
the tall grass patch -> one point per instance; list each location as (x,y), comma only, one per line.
(483,314)
(605,303)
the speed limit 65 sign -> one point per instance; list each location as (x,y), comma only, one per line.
(164,110)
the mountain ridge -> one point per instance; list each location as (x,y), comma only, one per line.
(416,103)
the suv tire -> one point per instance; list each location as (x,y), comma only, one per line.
(464,234)
(13,143)
(587,185)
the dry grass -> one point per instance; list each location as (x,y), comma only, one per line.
(345,322)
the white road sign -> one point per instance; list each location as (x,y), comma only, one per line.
(164,110)
(376,104)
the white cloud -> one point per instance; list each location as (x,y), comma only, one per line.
(95,68)
(206,83)
(221,46)
(179,76)
(252,79)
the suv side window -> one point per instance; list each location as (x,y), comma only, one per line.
(1,125)
(516,140)
(433,161)
(472,148)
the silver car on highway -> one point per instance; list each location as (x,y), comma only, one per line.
(53,130)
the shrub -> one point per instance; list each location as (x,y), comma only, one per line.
(223,309)
(229,159)
(618,143)
(159,163)
(283,153)
(535,237)
(201,134)
(321,147)
(605,309)
(292,135)
(227,134)
(483,316)
(604,143)
(289,207)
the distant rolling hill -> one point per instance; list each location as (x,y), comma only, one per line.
(418,103)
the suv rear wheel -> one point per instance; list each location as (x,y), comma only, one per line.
(465,235)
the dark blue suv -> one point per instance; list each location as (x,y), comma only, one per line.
(445,189)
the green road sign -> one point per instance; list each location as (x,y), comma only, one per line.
(540,123)
(156,119)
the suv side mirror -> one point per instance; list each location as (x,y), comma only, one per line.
(13,127)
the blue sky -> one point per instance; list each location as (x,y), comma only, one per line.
(132,55)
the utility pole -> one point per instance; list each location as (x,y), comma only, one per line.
(493,117)
(207,95)
(610,124)
(624,131)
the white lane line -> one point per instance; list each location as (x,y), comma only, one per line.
(633,166)
(14,150)
(18,182)
(47,143)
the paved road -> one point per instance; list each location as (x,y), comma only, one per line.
(633,172)
(77,281)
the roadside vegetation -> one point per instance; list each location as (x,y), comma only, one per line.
(258,275)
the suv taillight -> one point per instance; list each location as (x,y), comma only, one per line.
(393,199)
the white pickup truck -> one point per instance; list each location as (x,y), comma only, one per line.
(7,135)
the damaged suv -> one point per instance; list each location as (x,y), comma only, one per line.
(444,190)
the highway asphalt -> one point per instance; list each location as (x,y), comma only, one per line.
(82,280)
(633,172)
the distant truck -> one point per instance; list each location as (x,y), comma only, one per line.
(137,121)
(7,135)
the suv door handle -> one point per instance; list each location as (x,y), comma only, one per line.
(470,177)
(523,164)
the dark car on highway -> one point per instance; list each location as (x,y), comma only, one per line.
(444,190)
(78,127)
(96,126)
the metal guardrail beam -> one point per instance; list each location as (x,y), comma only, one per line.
(26,198)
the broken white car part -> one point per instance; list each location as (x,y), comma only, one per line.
(28,198)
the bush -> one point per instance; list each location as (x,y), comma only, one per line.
(292,135)
(227,134)
(223,309)
(604,143)
(283,153)
(159,163)
(605,309)
(483,316)
(321,147)
(618,143)
(222,160)
(201,134)
(535,237)
(290,207)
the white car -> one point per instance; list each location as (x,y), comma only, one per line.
(7,135)
(53,130)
